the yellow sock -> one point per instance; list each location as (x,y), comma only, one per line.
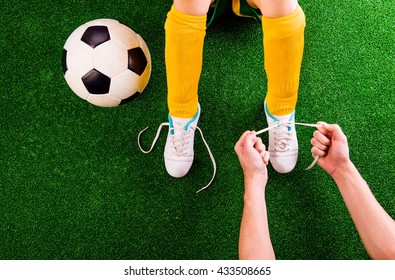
(184,57)
(283,49)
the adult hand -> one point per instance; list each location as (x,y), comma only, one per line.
(253,156)
(330,144)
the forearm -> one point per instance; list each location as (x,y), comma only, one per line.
(375,227)
(254,241)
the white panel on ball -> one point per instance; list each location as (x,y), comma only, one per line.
(76,85)
(75,37)
(110,58)
(80,58)
(103,100)
(103,21)
(125,36)
(124,85)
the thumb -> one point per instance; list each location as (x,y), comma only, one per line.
(338,134)
(250,141)
(330,130)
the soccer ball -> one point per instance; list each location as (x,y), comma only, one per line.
(106,63)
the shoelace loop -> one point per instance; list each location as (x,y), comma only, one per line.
(179,142)
(182,143)
(287,124)
(283,140)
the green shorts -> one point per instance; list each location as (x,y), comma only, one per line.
(238,7)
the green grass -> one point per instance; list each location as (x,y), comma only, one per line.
(74,185)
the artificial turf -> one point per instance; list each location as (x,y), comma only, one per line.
(74,184)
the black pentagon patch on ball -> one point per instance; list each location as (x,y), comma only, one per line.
(64,61)
(95,35)
(96,82)
(137,60)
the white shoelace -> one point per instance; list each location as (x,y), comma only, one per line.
(286,124)
(179,145)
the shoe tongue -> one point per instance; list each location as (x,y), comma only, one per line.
(284,118)
(180,123)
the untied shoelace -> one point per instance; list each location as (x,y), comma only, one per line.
(287,123)
(204,141)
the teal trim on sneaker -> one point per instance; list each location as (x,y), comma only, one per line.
(193,119)
(290,119)
(270,115)
(277,120)
(171,124)
(187,125)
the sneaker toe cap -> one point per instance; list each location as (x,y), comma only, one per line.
(284,164)
(177,169)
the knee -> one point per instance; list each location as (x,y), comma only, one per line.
(276,8)
(193,7)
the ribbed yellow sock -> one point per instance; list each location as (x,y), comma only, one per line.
(283,46)
(184,56)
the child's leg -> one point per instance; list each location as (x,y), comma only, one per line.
(185,31)
(283,23)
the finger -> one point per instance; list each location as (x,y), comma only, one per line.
(321,124)
(335,133)
(244,135)
(338,134)
(321,138)
(319,145)
(265,157)
(259,146)
(317,152)
(330,128)
(323,128)
(240,143)
(249,141)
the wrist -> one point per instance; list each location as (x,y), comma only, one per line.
(254,187)
(256,179)
(344,170)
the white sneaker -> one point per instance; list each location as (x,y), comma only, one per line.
(283,144)
(179,145)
